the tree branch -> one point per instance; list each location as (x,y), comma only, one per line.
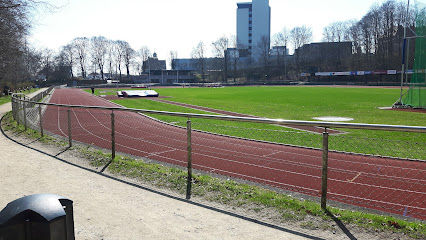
(13,6)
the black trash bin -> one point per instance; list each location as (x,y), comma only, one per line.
(38,217)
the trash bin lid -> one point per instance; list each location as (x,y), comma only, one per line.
(47,206)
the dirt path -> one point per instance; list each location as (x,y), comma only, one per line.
(108,209)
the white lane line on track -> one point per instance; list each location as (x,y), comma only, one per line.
(232,152)
(272,160)
(353,179)
(210,147)
(159,153)
(271,154)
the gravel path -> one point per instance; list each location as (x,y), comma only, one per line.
(108,209)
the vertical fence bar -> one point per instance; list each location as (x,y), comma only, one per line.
(15,114)
(18,111)
(112,136)
(24,104)
(189,147)
(41,120)
(12,100)
(324,169)
(69,128)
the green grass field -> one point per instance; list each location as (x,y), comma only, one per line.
(296,103)
(4,99)
(299,103)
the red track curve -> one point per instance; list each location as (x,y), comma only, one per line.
(395,186)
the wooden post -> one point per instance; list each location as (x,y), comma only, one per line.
(24,104)
(69,128)
(41,120)
(189,148)
(324,169)
(112,135)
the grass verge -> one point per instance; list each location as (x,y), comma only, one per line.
(227,192)
(4,99)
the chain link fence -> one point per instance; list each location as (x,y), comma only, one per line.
(377,173)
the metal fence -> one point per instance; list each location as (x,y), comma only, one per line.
(378,173)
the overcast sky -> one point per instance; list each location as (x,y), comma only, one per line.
(166,25)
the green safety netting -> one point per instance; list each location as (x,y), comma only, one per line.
(416,95)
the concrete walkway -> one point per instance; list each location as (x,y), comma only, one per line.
(108,209)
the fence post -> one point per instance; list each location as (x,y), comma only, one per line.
(112,135)
(69,128)
(324,169)
(22,109)
(24,104)
(12,100)
(189,147)
(41,120)
(18,110)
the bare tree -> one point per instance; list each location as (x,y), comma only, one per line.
(47,62)
(120,52)
(263,51)
(143,54)
(173,55)
(198,53)
(81,46)
(336,31)
(233,57)
(111,57)
(300,36)
(128,56)
(14,28)
(219,48)
(62,70)
(68,56)
(32,62)
(99,52)
(281,40)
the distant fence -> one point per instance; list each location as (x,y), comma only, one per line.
(377,173)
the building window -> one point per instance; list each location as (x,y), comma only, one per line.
(250,28)
(249,41)
(250,22)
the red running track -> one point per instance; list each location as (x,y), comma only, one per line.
(395,186)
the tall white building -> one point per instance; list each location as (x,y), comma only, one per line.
(253,23)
